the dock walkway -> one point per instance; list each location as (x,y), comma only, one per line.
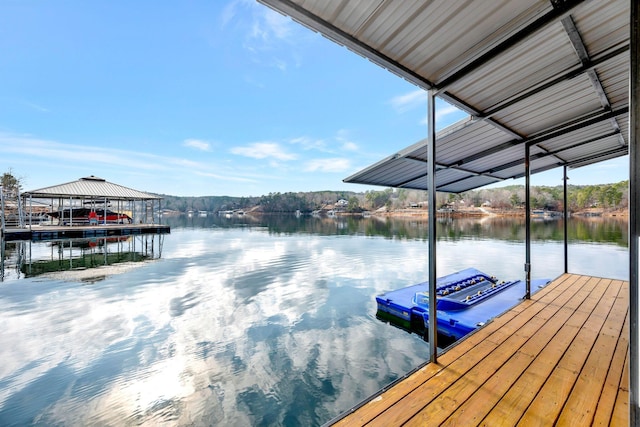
(559,358)
(49,232)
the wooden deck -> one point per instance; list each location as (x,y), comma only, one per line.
(559,358)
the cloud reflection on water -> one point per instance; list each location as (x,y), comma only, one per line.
(229,327)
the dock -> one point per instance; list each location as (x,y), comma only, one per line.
(49,232)
(559,358)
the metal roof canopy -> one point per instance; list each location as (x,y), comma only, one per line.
(549,79)
(90,187)
(550,74)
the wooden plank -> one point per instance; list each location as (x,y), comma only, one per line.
(374,407)
(524,365)
(621,410)
(551,291)
(520,328)
(557,295)
(581,405)
(490,392)
(515,402)
(509,410)
(549,401)
(444,404)
(390,397)
(576,356)
(558,289)
(416,399)
(544,408)
(609,393)
(594,292)
(379,404)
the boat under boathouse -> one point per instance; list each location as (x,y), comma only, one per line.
(88,207)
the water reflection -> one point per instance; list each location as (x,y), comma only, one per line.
(86,259)
(241,322)
(600,229)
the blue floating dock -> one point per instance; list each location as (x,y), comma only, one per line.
(466,300)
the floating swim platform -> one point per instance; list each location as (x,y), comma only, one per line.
(465,301)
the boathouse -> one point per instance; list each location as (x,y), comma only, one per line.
(88,207)
(546,84)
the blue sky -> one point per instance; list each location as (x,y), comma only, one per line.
(200,98)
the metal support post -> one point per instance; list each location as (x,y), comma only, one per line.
(431,162)
(565,215)
(634,210)
(527,215)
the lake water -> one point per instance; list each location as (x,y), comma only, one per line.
(242,321)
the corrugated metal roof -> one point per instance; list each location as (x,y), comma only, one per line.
(91,187)
(550,74)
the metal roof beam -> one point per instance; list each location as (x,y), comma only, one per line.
(457,181)
(548,153)
(560,10)
(585,68)
(478,114)
(588,67)
(574,125)
(581,51)
(516,163)
(547,135)
(439,165)
(403,183)
(614,151)
(585,142)
(443,166)
(538,170)
(315,23)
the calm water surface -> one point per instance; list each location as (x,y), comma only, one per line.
(241,321)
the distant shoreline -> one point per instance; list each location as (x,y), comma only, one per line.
(487,212)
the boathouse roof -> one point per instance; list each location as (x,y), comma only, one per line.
(93,187)
(545,78)
(552,75)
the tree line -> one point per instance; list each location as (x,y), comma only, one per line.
(579,197)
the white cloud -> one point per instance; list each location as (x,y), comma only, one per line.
(309,143)
(443,113)
(327,165)
(347,144)
(35,106)
(446,111)
(197,144)
(227,177)
(84,159)
(86,154)
(263,150)
(270,37)
(418,99)
(410,101)
(265,28)
(276,24)
(343,143)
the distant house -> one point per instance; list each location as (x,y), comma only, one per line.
(342,202)
(419,204)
